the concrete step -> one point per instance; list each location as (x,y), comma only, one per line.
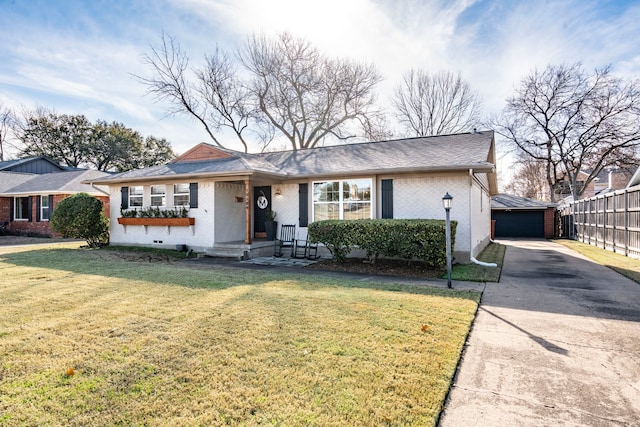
(228,252)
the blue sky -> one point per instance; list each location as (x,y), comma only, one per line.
(78,57)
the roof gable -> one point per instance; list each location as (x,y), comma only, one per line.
(39,164)
(201,152)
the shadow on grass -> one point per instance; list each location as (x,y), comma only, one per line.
(151,267)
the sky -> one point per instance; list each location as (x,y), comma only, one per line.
(81,57)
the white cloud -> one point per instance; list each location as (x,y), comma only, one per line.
(84,66)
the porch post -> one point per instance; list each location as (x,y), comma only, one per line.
(247,211)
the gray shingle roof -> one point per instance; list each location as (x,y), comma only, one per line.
(58,182)
(448,152)
(508,201)
(11,179)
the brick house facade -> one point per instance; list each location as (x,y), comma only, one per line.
(34,224)
(31,188)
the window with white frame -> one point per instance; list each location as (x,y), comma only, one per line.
(180,194)
(158,195)
(44,208)
(21,209)
(344,199)
(136,194)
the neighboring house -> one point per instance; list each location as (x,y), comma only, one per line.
(522,217)
(31,188)
(607,180)
(33,165)
(228,193)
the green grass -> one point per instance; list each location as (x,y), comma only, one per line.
(629,267)
(166,343)
(494,252)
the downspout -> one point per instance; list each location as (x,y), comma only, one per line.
(470,213)
(97,189)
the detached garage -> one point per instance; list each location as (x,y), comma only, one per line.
(522,217)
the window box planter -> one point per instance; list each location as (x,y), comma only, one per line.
(174,222)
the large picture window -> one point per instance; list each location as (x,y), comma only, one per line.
(158,195)
(136,194)
(180,194)
(346,199)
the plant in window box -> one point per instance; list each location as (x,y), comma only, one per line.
(128,213)
(270,223)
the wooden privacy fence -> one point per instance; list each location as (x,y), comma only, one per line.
(610,221)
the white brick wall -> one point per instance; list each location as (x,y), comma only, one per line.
(198,236)
(286,204)
(480,220)
(421,197)
(229,214)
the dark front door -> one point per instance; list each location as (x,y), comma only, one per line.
(261,204)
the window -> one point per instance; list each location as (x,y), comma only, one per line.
(44,208)
(346,199)
(180,194)
(22,208)
(135,196)
(158,195)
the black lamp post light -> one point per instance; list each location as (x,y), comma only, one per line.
(447,201)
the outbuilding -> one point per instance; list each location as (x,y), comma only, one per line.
(522,217)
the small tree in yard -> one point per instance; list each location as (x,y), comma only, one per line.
(80,217)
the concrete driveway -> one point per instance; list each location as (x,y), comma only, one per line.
(556,342)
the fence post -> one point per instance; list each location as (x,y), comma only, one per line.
(626,222)
(615,222)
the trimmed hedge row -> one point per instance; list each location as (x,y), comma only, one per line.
(393,238)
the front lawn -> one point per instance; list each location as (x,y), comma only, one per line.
(87,338)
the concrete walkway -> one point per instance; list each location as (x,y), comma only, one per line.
(556,342)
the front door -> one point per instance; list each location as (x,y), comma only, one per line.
(261,204)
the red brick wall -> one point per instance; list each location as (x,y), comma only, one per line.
(5,209)
(33,227)
(549,223)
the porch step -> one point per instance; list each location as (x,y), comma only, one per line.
(228,252)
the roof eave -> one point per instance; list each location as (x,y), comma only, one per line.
(159,178)
(480,168)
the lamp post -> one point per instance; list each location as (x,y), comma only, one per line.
(447,200)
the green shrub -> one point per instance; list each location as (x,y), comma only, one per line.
(422,239)
(80,217)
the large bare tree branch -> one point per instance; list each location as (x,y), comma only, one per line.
(437,104)
(577,123)
(306,96)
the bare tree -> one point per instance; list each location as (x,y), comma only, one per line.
(529,180)
(574,123)
(437,104)
(7,124)
(289,90)
(305,95)
(212,95)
